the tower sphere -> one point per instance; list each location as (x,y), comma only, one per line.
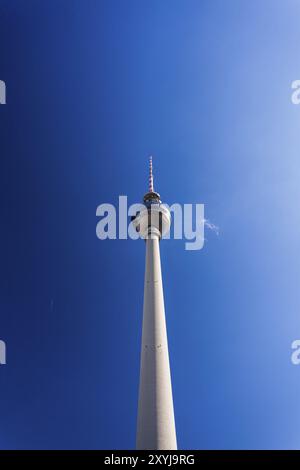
(153,219)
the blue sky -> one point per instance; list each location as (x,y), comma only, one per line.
(93,88)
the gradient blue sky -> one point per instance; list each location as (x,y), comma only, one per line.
(94,87)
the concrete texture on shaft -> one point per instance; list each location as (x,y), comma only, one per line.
(156,423)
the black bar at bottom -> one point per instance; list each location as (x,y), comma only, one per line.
(136,459)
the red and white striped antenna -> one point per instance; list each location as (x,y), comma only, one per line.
(151,187)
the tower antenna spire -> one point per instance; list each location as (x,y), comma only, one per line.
(151,187)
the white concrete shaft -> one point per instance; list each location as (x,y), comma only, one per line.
(156,424)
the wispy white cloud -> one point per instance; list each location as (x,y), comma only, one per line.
(214,228)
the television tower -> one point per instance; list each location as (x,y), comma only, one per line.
(156,423)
